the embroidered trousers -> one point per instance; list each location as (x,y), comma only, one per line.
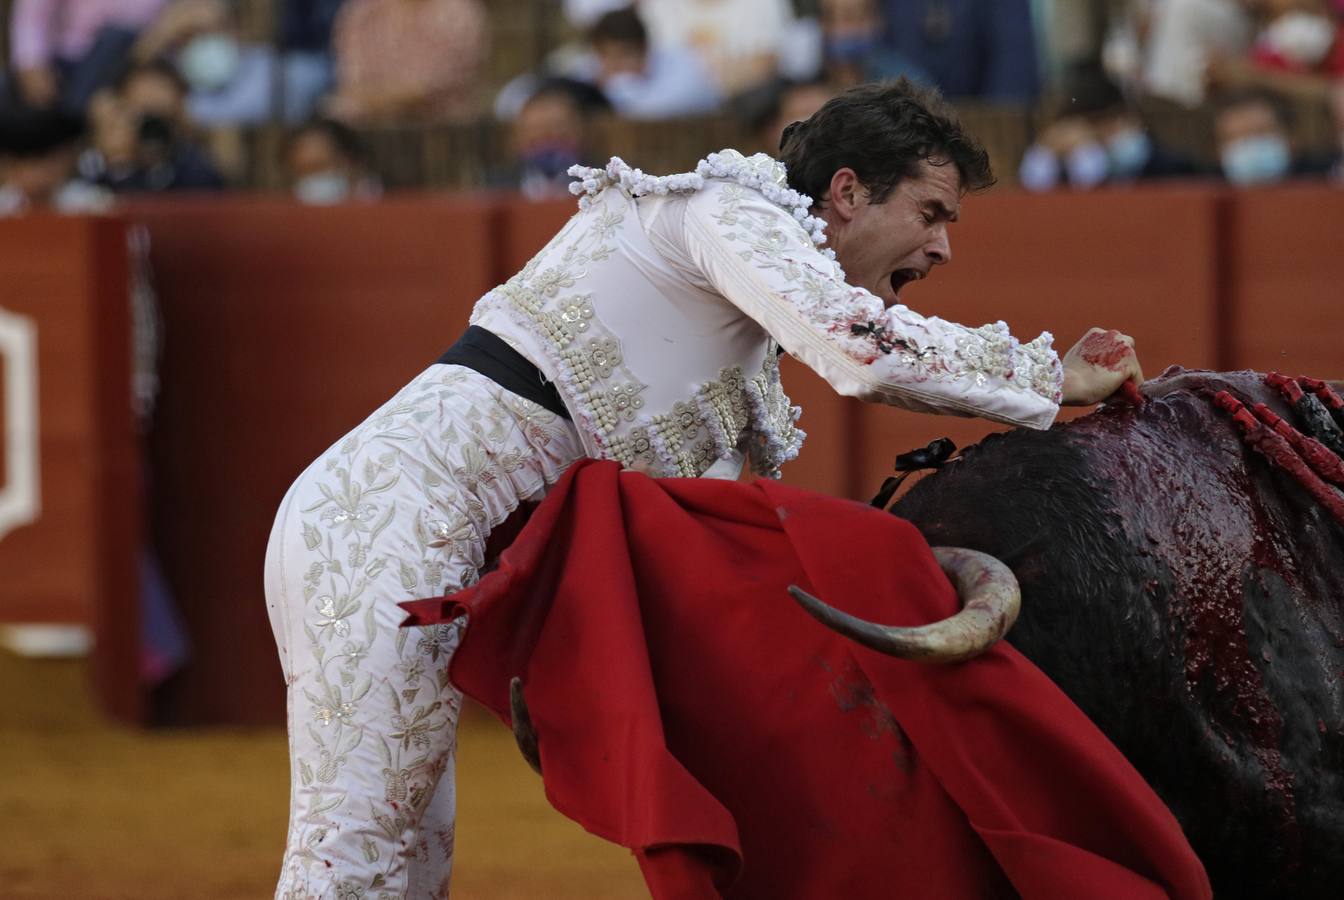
(398,509)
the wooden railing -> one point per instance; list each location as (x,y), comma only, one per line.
(462,156)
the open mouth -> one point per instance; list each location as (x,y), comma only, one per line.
(901,277)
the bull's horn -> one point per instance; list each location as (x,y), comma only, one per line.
(523,732)
(990,601)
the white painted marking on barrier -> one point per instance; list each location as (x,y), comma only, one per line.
(20,492)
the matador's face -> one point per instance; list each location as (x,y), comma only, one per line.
(885,246)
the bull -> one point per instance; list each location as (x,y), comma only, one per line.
(1188,596)
(1183,584)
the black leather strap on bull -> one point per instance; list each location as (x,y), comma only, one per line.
(485,352)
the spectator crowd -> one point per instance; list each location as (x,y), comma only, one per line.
(105,97)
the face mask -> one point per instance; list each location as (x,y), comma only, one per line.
(1088,165)
(1130,151)
(850,48)
(1039,170)
(1260,159)
(209,61)
(323,188)
(551,160)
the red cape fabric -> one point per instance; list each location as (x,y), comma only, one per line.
(689,710)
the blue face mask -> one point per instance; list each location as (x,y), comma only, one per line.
(551,160)
(1260,159)
(847,49)
(1130,151)
(1087,166)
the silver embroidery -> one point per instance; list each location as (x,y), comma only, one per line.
(731,413)
(374,712)
(856,321)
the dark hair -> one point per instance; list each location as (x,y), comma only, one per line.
(883,132)
(29,132)
(1088,91)
(160,67)
(620,26)
(341,135)
(587,99)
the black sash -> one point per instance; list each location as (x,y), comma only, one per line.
(485,352)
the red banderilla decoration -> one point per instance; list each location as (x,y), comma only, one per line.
(1266,441)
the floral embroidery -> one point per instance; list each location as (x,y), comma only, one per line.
(856,321)
(576,311)
(740,411)
(550,281)
(619,404)
(724,415)
(449,458)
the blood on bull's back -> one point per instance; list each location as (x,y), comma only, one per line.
(1189,597)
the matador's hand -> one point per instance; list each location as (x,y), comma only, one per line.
(1097,365)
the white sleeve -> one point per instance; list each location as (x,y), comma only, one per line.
(764,262)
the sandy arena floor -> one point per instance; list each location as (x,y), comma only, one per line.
(90,810)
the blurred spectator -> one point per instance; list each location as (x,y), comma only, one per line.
(234,82)
(142,136)
(982,49)
(583,14)
(643,82)
(552,132)
(1254,144)
(741,41)
(305,38)
(640,81)
(1068,152)
(1096,138)
(854,47)
(408,60)
(1298,36)
(1185,37)
(62,51)
(326,164)
(786,102)
(1071,33)
(38,148)
(1296,52)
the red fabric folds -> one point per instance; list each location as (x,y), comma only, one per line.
(689,710)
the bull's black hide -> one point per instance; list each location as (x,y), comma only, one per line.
(1191,600)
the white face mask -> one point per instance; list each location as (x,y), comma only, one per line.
(1299,37)
(323,188)
(1088,165)
(209,61)
(1259,159)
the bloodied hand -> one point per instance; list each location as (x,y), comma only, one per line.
(1097,365)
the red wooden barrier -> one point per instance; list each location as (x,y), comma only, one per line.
(69,473)
(1286,274)
(285,327)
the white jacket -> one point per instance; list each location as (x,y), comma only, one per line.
(659,308)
